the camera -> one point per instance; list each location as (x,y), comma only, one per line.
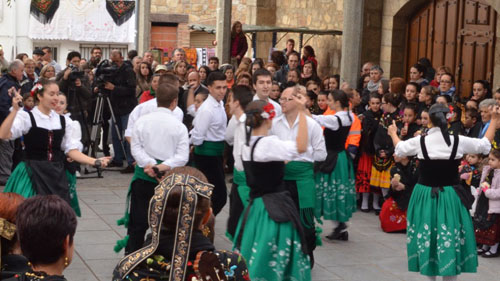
(105,72)
(76,73)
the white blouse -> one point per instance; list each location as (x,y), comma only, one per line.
(331,122)
(437,147)
(22,125)
(270,148)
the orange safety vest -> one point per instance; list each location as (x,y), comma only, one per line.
(354,136)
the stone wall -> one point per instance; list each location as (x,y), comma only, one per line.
(314,14)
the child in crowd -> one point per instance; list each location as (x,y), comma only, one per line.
(28,102)
(443,99)
(412,90)
(454,121)
(472,104)
(486,217)
(409,126)
(470,170)
(404,176)
(470,124)
(371,119)
(426,97)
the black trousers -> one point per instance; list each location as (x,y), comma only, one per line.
(141,193)
(235,210)
(310,233)
(213,168)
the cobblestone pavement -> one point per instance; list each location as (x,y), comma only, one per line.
(370,254)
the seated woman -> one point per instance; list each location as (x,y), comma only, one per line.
(184,240)
(45,225)
(11,260)
(404,176)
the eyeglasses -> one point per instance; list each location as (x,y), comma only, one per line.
(283,100)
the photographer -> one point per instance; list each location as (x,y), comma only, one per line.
(73,82)
(121,87)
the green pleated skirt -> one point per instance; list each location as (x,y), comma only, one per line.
(20,182)
(440,234)
(336,192)
(272,250)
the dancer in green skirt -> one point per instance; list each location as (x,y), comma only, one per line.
(48,141)
(440,234)
(335,188)
(270,235)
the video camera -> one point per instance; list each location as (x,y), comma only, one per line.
(105,72)
(76,73)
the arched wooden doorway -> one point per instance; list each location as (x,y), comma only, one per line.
(457,33)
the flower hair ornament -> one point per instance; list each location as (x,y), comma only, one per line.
(37,89)
(7,231)
(269,112)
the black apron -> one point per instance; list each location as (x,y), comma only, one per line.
(335,143)
(45,159)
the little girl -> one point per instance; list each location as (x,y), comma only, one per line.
(486,218)
(371,119)
(409,126)
(322,101)
(470,170)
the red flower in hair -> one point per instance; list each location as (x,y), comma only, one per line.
(36,89)
(269,112)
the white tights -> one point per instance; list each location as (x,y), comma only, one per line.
(445,278)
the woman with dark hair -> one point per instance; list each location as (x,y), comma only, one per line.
(417,75)
(256,64)
(380,180)
(429,70)
(308,55)
(143,78)
(335,190)
(278,58)
(179,246)
(481,90)
(203,71)
(228,70)
(48,141)
(270,233)
(308,73)
(12,262)
(440,234)
(45,226)
(334,82)
(239,44)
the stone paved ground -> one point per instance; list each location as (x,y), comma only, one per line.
(370,254)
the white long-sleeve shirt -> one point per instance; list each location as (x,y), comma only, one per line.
(236,136)
(270,148)
(437,147)
(77,131)
(22,125)
(210,122)
(159,135)
(331,122)
(145,108)
(316,148)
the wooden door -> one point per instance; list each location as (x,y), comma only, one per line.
(455,33)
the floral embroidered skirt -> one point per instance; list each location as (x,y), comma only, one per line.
(363,173)
(272,250)
(392,218)
(335,192)
(440,234)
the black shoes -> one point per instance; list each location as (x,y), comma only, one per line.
(128,170)
(339,233)
(114,165)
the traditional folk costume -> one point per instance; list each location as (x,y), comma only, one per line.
(10,264)
(157,138)
(208,138)
(299,173)
(486,215)
(240,192)
(440,234)
(182,253)
(72,167)
(335,190)
(393,214)
(380,175)
(270,234)
(47,138)
(363,173)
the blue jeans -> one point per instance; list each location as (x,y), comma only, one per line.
(119,156)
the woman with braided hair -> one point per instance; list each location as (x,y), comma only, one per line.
(440,234)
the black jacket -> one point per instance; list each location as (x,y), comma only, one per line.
(6,82)
(123,98)
(78,100)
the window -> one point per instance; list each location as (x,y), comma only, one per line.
(85,50)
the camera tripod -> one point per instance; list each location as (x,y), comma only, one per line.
(97,121)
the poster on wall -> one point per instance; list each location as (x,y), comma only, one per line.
(85,21)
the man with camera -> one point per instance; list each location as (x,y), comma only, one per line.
(121,89)
(75,85)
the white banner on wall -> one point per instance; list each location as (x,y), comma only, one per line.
(84,21)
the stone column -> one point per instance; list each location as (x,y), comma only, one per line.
(350,63)
(223,31)
(144,26)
